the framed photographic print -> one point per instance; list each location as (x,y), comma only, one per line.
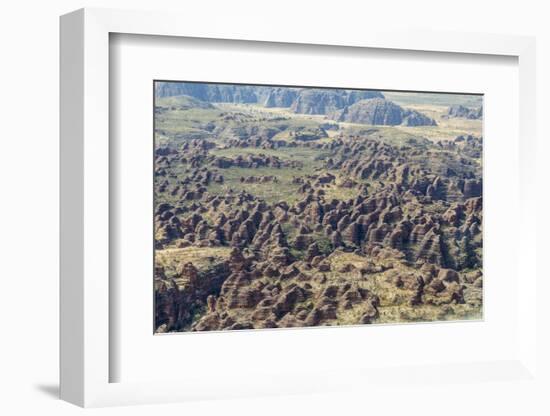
(282,213)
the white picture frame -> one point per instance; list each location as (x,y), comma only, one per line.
(85,217)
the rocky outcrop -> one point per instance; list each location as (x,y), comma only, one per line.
(300,100)
(280,97)
(465,112)
(254,161)
(223,93)
(178,300)
(325,101)
(378,111)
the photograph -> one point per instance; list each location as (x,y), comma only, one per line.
(239,208)
(284,206)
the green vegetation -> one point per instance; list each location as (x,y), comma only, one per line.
(271,192)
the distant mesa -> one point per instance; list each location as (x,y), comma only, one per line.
(465,112)
(354,106)
(219,93)
(299,100)
(379,111)
(324,101)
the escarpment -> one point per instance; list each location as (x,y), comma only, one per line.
(378,111)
